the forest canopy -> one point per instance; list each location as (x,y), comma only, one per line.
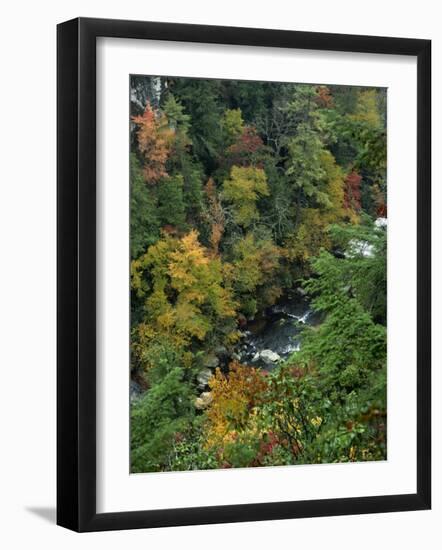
(248,199)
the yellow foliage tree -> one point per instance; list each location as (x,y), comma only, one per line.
(256,262)
(245,186)
(186,294)
(311,235)
(334,180)
(234,399)
(233,125)
(215,215)
(367,109)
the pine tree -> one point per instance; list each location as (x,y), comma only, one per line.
(144,222)
(171,208)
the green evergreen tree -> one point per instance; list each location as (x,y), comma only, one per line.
(200,99)
(171,207)
(144,222)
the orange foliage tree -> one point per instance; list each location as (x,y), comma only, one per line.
(154,142)
(323,98)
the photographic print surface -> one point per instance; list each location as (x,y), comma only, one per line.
(258,239)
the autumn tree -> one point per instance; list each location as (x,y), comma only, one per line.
(360,140)
(154,142)
(233,125)
(324,98)
(333,208)
(255,263)
(244,188)
(366,108)
(310,237)
(231,412)
(311,234)
(186,297)
(215,215)
(352,193)
(247,149)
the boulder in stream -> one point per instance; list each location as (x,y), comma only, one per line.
(203,377)
(211,361)
(269,357)
(203,400)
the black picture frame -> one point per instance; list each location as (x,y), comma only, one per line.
(76,274)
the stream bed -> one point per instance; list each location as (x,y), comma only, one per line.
(275,335)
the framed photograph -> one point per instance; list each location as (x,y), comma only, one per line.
(243,274)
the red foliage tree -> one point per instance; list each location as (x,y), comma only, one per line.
(352,191)
(379,201)
(381,210)
(247,149)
